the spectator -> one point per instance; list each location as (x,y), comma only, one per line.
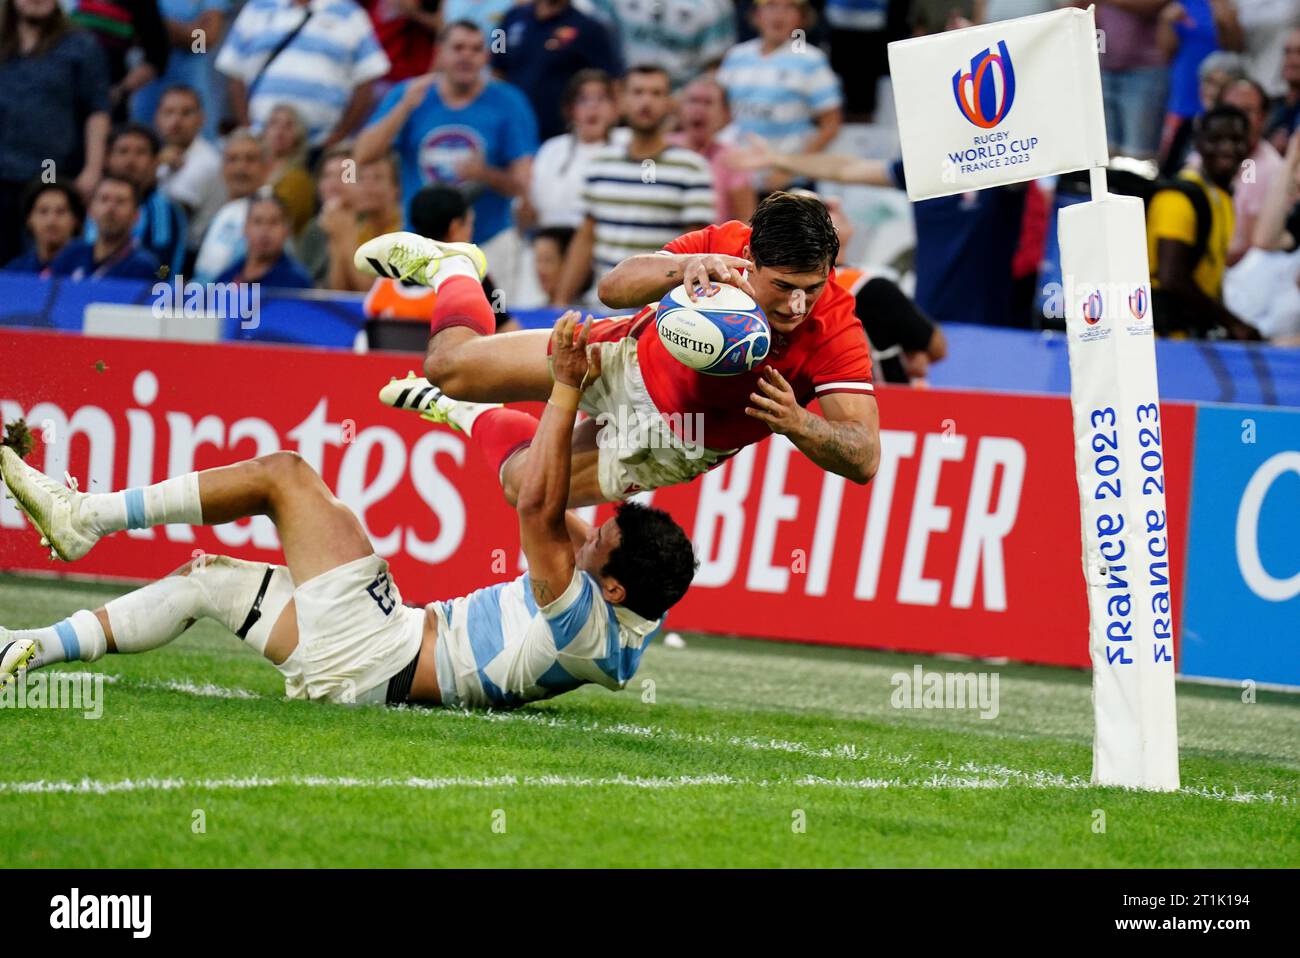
(1262,288)
(682,36)
(1251,185)
(1134,75)
(245,165)
(408,32)
(376,208)
(286,142)
(318,56)
(54,214)
(965,244)
(779,87)
(460,128)
(1189,229)
(266,261)
(550,244)
(1286,112)
(134,40)
(858,36)
(187,22)
(441,213)
(189,167)
(1215,73)
(161,227)
(560,168)
(546,43)
(1187,33)
(114,254)
(936,16)
(59,77)
(641,194)
(335,188)
(706,128)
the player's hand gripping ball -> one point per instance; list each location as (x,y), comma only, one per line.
(722,332)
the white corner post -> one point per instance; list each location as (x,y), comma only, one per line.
(1119,459)
(1018,100)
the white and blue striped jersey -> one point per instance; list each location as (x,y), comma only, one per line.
(502,650)
(777,94)
(316,74)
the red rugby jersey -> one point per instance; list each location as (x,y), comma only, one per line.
(827,353)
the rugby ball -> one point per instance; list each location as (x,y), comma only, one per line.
(721,333)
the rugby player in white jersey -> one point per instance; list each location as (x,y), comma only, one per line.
(331,619)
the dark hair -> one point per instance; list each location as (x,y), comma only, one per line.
(136,129)
(434,208)
(563,236)
(53,29)
(645,68)
(461,24)
(110,178)
(794,232)
(580,80)
(185,89)
(654,562)
(1220,111)
(36,189)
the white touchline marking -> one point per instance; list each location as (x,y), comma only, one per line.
(996,775)
(87,786)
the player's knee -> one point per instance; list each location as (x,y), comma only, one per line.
(286,470)
(442,368)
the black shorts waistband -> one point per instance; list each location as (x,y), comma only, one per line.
(399,686)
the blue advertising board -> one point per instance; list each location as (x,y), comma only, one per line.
(1241,607)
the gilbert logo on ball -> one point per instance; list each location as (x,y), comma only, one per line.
(722,333)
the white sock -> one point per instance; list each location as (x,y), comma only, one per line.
(173,500)
(79,637)
(453,266)
(151,617)
(465,414)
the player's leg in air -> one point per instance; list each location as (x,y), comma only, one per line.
(625,447)
(464,358)
(334,590)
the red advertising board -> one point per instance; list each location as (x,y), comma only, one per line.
(966,542)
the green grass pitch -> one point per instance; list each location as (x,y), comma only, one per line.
(740,753)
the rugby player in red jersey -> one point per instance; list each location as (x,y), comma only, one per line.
(656,422)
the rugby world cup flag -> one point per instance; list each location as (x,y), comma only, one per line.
(1000,103)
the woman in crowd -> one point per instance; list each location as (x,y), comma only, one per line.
(286,141)
(54,215)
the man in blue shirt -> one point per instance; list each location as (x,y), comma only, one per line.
(266,231)
(459,128)
(114,254)
(546,42)
(162,227)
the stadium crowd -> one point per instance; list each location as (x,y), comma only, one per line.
(264,141)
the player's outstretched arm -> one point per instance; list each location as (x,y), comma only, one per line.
(544,489)
(845,441)
(648,277)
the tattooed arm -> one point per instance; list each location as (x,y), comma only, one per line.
(544,489)
(846,441)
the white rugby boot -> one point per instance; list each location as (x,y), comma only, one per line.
(54,509)
(412,258)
